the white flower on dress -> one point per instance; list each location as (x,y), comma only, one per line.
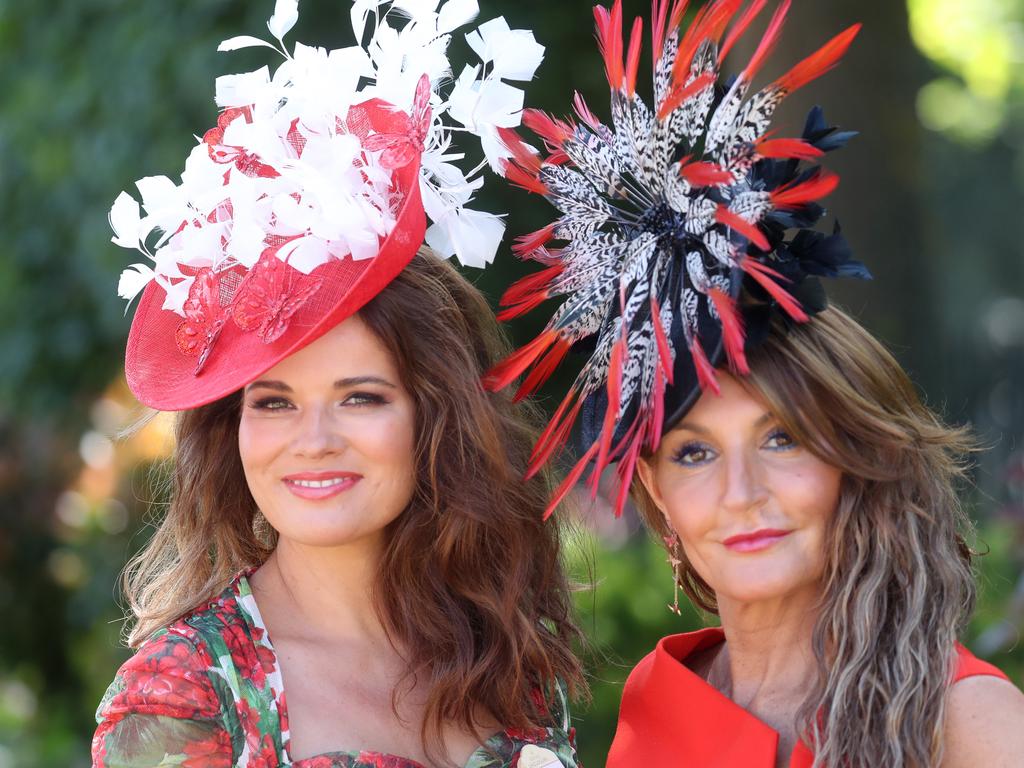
(533,756)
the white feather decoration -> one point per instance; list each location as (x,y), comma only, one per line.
(282,164)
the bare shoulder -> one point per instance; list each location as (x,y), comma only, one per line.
(984,724)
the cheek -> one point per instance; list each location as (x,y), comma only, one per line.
(258,444)
(809,494)
(690,505)
(386,446)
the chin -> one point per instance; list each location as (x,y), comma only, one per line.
(318,525)
(751,585)
(326,534)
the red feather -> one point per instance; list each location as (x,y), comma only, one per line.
(553,131)
(509,369)
(768,42)
(570,481)
(627,465)
(633,58)
(611,413)
(583,111)
(764,275)
(750,231)
(796,149)
(675,97)
(705,372)
(543,370)
(609,40)
(554,435)
(657,419)
(526,159)
(524,179)
(525,288)
(740,27)
(796,195)
(526,244)
(710,23)
(659,15)
(732,330)
(819,62)
(705,174)
(525,307)
(664,351)
(676,17)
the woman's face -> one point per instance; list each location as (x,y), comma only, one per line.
(750,505)
(327,440)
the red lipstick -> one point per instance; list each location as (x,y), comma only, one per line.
(755,541)
(320,485)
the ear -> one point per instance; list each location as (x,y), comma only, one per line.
(645,471)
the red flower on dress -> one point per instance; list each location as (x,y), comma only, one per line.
(211,752)
(321,761)
(249,720)
(527,734)
(266,756)
(166,675)
(379,760)
(244,656)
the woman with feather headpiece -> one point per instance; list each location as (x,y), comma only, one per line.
(804,493)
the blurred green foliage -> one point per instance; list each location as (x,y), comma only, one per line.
(97,93)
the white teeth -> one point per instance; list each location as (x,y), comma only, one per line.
(318,483)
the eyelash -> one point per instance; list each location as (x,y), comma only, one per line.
(355,400)
(688,449)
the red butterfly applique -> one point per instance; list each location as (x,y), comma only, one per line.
(246,162)
(270,294)
(402,146)
(204,317)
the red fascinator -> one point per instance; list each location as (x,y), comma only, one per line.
(310,195)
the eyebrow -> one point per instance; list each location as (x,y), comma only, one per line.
(353,381)
(763,419)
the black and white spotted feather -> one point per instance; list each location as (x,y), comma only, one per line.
(673,222)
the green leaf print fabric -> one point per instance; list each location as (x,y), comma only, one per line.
(207,692)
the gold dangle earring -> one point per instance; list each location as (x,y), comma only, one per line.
(672,544)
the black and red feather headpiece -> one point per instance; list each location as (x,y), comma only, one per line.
(673,225)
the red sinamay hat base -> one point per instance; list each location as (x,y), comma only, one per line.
(161,376)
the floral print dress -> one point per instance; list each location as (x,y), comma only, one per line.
(207,692)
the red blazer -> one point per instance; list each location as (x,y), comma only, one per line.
(671,717)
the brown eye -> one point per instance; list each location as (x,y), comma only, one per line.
(693,454)
(270,404)
(780,440)
(363,399)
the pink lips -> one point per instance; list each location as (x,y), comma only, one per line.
(320,485)
(756,541)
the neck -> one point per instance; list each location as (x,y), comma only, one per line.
(325,590)
(767,654)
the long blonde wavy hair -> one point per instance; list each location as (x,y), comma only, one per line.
(898,585)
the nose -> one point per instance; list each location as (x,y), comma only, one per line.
(743,487)
(317,435)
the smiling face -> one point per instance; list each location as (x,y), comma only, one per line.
(327,440)
(750,506)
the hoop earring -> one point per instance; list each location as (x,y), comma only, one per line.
(672,544)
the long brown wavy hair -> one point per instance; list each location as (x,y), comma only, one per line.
(470,586)
(898,585)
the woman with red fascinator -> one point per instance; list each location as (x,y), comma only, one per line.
(804,493)
(341,481)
